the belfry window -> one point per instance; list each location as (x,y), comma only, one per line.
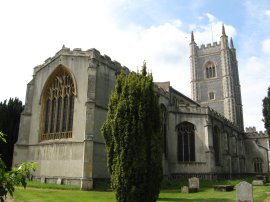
(210,70)
(58,106)
(186,142)
(257,162)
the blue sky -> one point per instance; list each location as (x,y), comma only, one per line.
(130,31)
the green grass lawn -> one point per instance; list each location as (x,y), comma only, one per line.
(38,192)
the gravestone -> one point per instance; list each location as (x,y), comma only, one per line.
(244,192)
(59,181)
(194,184)
(257,182)
(184,189)
(43,180)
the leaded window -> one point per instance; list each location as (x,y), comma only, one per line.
(58,106)
(186,142)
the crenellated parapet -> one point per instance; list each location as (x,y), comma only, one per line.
(251,132)
(92,54)
(209,46)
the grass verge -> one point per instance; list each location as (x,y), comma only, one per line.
(170,191)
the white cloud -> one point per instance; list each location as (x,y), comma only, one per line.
(205,33)
(211,17)
(267,13)
(266,46)
(35,31)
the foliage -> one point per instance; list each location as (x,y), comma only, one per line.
(17,176)
(133,138)
(266,112)
(2,137)
(9,124)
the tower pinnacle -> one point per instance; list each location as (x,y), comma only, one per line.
(231,43)
(192,37)
(223,30)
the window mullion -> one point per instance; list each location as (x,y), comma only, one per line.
(67,119)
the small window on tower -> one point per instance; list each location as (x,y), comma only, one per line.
(211,95)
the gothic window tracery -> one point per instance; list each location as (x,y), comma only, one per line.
(58,106)
(210,70)
(186,142)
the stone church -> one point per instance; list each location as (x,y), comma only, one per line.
(66,105)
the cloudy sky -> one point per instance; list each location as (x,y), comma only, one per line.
(131,31)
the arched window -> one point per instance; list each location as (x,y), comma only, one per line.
(216,144)
(257,162)
(210,70)
(186,142)
(58,106)
(164,128)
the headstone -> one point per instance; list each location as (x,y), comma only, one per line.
(244,192)
(257,182)
(184,189)
(43,180)
(194,184)
(59,181)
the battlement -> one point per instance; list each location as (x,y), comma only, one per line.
(209,46)
(78,52)
(251,132)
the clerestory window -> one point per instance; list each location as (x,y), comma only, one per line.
(210,70)
(58,106)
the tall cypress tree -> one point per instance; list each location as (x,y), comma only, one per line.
(9,124)
(266,112)
(133,138)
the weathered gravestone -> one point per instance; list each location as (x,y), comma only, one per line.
(244,192)
(184,189)
(59,181)
(43,180)
(257,182)
(193,184)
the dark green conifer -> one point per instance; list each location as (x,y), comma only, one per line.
(133,138)
(266,112)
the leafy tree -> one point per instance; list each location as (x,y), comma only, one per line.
(133,138)
(266,112)
(17,176)
(9,124)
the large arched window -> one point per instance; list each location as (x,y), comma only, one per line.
(257,162)
(186,142)
(210,70)
(164,128)
(58,105)
(216,144)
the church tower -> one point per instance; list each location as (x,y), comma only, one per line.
(215,79)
